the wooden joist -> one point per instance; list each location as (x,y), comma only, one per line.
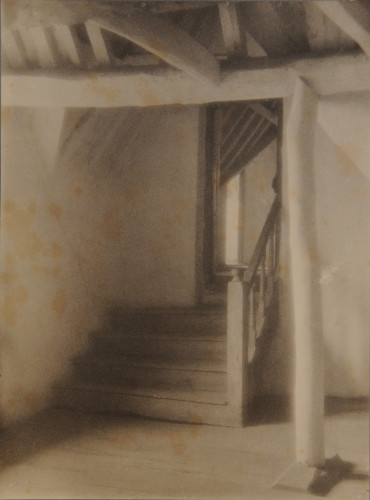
(353,20)
(11,47)
(45,50)
(68,44)
(240,134)
(247,155)
(263,111)
(242,116)
(165,40)
(261,126)
(327,75)
(27,42)
(233,35)
(99,43)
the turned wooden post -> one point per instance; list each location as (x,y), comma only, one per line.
(309,390)
(237,344)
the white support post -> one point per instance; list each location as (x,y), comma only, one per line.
(309,389)
(237,345)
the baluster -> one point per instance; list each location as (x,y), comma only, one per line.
(270,264)
(272,250)
(261,297)
(276,229)
(252,324)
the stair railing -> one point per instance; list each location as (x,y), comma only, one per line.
(249,296)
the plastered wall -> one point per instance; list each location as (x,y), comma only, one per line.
(342,186)
(108,221)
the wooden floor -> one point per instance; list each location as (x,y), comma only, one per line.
(62,454)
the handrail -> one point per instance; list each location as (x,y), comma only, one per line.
(258,252)
(250,293)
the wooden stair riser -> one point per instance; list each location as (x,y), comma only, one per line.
(135,376)
(162,349)
(182,411)
(170,324)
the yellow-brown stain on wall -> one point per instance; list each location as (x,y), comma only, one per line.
(95,87)
(8,277)
(111,225)
(17,225)
(56,271)
(9,311)
(56,250)
(32,208)
(12,300)
(59,302)
(55,211)
(6,114)
(150,99)
(77,191)
(42,270)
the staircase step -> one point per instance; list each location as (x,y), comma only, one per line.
(171,322)
(200,375)
(210,397)
(163,347)
(182,406)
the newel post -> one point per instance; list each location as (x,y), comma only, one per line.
(237,344)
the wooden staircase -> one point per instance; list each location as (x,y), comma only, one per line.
(186,364)
(162,363)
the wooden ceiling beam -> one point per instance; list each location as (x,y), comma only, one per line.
(353,20)
(326,75)
(165,40)
(233,35)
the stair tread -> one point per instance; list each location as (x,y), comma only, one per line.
(200,309)
(208,397)
(155,336)
(183,365)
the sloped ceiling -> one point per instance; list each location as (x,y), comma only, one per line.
(259,29)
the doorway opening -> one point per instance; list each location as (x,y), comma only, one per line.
(243,179)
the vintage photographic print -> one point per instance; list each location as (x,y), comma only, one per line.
(184,249)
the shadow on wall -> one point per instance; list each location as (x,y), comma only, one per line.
(46,307)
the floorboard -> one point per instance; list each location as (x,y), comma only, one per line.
(66,454)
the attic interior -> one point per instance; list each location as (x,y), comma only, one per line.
(184,249)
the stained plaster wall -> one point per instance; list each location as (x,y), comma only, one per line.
(111,222)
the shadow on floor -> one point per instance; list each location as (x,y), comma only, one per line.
(44,430)
(332,473)
(269,410)
(279,409)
